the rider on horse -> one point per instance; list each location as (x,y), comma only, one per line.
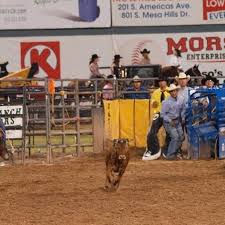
(3,132)
(176,60)
(3,150)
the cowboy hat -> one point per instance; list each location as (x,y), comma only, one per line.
(3,62)
(95,56)
(117,57)
(183,75)
(208,77)
(173,87)
(136,79)
(145,51)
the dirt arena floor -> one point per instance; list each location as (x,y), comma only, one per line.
(151,193)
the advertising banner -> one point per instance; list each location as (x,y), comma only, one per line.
(52,14)
(58,57)
(207,50)
(167,12)
(68,56)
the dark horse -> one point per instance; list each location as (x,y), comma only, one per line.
(172,71)
(4,152)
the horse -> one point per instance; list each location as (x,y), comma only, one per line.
(170,71)
(194,72)
(4,152)
(173,71)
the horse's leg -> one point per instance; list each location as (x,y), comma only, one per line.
(11,157)
(6,154)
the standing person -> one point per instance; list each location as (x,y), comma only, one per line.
(183,80)
(183,96)
(115,67)
(176,59)
(137,91)
(172,113)
(145,57)
(153,150)
(94,67)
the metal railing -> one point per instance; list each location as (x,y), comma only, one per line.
(62,120)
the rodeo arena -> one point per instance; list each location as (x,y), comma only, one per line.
(112,112)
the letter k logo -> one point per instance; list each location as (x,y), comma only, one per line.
(46,54)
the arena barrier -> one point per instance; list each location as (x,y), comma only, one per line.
(66,116)
(129,119)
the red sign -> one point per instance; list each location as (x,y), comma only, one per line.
(213,9)
(46,54)
(195,44)
(202,49)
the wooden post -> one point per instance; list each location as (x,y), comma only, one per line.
(98,129)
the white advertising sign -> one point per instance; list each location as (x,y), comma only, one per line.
(167,12)
(51,14)
(12,118)
(14,134)
(204,49)
(68,56)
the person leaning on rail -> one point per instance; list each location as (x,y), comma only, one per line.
(153,150)
(107,91)
(136,90)
(173,114)
(116,66)
(94,67)
(209,82)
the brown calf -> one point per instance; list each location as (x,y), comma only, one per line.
(117,158)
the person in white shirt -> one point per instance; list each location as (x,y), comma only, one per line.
(176,59)
(94,67)
(183,80)
(182,97)
(145,57)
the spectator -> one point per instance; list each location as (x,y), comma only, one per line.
(153,150)
(183,80)
(108,89)
(115,67)
(176,59)
(172,113)
(183,96)
(94,68)
(137,91)
(145,57)
(209,81)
